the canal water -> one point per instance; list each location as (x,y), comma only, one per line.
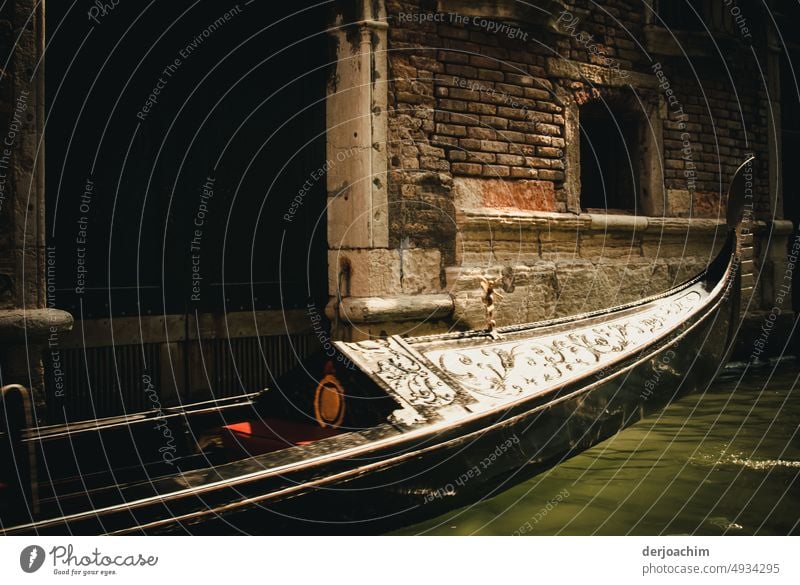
(723,462)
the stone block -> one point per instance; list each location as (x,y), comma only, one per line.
(599,245)
(495,193)
(557,244)
(420,270)
(585,286)
(372,273)
(679,202)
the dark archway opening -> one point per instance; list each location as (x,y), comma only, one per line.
(610,158)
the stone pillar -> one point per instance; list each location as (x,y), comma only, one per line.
(27,325)
(372,287)
(356,134)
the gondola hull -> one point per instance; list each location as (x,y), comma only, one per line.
(388,476)
(473,414)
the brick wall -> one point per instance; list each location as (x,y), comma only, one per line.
(723,123)
(468,103)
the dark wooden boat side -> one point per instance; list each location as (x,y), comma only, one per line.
(402,470)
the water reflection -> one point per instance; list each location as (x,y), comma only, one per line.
(723,462)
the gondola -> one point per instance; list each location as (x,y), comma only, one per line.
(392,430)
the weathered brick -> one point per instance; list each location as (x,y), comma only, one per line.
(539,140)
(464,94)
(434,163)
(506,88)
(537,93)
(410,191)
(470,143)
(466,168)
(447,80)
(479,108)
(496,171)
(550,175)
(451,130)
(523,149)
(481,61)
(453,105)
(510,159)
(548,129)
(548,107)
(464,118)
(464,71)
(496,98)
(414,98)
(426,62)
(522,126)
(481,157)
(511,136)
(539,117)
(454,57)
(490,75)
(445,140)
(518,79)
(495,122)
(493,146)
(482,133)
(428,150)
(673,164)
(537,162)
(512,113)
(524,173)
(549,151)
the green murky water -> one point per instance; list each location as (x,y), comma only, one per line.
(724,462)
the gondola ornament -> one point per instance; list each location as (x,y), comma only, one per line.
(489,298)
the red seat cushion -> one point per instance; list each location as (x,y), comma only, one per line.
(264,436)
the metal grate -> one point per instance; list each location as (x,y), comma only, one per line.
(245,364)
(98,381)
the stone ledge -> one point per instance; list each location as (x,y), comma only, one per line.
(488,237)
(601,222)
(597,75)
(609,222)
(18,325)
(398,308)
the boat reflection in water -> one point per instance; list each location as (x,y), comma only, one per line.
(726,461)
(432,422)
